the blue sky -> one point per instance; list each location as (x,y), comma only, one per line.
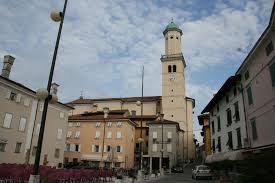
(105,43)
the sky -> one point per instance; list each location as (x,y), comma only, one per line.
(104,44)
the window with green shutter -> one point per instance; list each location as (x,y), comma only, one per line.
(272,73)
(249,95)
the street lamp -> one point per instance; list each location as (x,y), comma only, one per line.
(34,177)
(140,139)
(106,112)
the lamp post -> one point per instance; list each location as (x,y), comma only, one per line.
(105,111)
(43,94)
(140,139)
(162,150)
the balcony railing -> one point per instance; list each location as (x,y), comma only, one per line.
(171,56)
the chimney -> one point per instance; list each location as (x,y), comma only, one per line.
(8,62)
(54,88)
(94,108)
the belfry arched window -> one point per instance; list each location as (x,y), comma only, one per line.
(174,68)
(169,68)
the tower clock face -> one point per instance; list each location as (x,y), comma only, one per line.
(172,77)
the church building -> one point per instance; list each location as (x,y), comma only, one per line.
(173,103)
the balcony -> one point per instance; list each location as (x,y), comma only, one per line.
(170,57)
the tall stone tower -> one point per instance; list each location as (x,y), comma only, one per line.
(175,105)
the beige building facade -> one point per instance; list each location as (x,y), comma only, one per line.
(99,142)
(20,117)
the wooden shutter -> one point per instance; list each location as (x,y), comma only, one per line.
(18,98)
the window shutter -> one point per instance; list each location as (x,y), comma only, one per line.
(41,107)
(79,148)
(7,120)
(18,98)
(109,135)
(169,135)
(8,94)
(121,148)
(37,129)
(169,147)
(61,114)
(99,148)
(105,148)
(59,134)
(118,135)
(155,135)
(27,102)
(22,124)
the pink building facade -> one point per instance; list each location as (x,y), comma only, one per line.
(258,83)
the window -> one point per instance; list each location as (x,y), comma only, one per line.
(169,135)
(107,148)
(34,149)
(239,137)
(272,73)
(213,145)
(171,37)
(155,147)
(172,115)
(229,117)
(109,124)
(77,124)
(219,144)
(41,107)
(118,135)
(147,143)
(69,134)
(147,132)
(218,107)
(96,148)
(119,124)
(59,134)
(137,145)
(177,37)
(230,141)
(249,95)
(72,147)
(77,134)
(169,147)
(18,147)
(118,148)
(212,113)
(172,100)
(97,124)
(254,129)
(22,124)
(97,134)
(155,135)
(27,102)
(56,153)
(2,146)
(169,68)
(235,91)
(67,148)
(12,96)
(227,99)
(237,114)
(117,164)
(37,130)
(269,48)
(70,124)
(213,127)
(77,147)
(246,75)
(109,135)
(219,123)
(174,68)
(61,114)
(7,120)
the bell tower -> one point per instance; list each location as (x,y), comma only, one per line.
(175,105)
(173,80)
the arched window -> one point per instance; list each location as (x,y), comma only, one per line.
(171,37)
(174,68)
(169,68)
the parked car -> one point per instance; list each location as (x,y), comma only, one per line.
(201,171)
(177,169)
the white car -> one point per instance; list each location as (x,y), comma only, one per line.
(201,171)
